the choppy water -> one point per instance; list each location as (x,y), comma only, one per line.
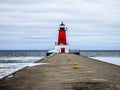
(109,56)
(11,61)
(100,53)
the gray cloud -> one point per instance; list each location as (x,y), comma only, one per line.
(34,23)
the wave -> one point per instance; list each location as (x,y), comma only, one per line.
(19,59)
(111,60)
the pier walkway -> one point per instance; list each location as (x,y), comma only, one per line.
(59,74)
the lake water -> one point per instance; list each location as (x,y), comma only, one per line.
(13,60)
(109,56)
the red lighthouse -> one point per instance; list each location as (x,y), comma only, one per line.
(62,35)
(62,46)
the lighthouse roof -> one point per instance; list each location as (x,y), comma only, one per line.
(62,24)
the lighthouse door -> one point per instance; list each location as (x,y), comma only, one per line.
(62,50)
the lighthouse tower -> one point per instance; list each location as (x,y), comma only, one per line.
(61,46)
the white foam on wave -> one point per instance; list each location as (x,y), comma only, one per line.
(112,60)
(36,64)
(21,59)
(9,68)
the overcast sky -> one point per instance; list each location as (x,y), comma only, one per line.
(33,24)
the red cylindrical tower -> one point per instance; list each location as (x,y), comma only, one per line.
(61,46)
(62,35)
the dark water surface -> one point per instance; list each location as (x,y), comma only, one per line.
(13,60)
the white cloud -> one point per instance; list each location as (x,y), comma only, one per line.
(89,21)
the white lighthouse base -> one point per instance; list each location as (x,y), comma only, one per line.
(61,48)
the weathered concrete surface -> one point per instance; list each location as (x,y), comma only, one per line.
(59,74)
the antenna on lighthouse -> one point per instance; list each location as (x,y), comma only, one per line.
(62,24)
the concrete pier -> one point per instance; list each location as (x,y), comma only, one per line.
(60,74)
